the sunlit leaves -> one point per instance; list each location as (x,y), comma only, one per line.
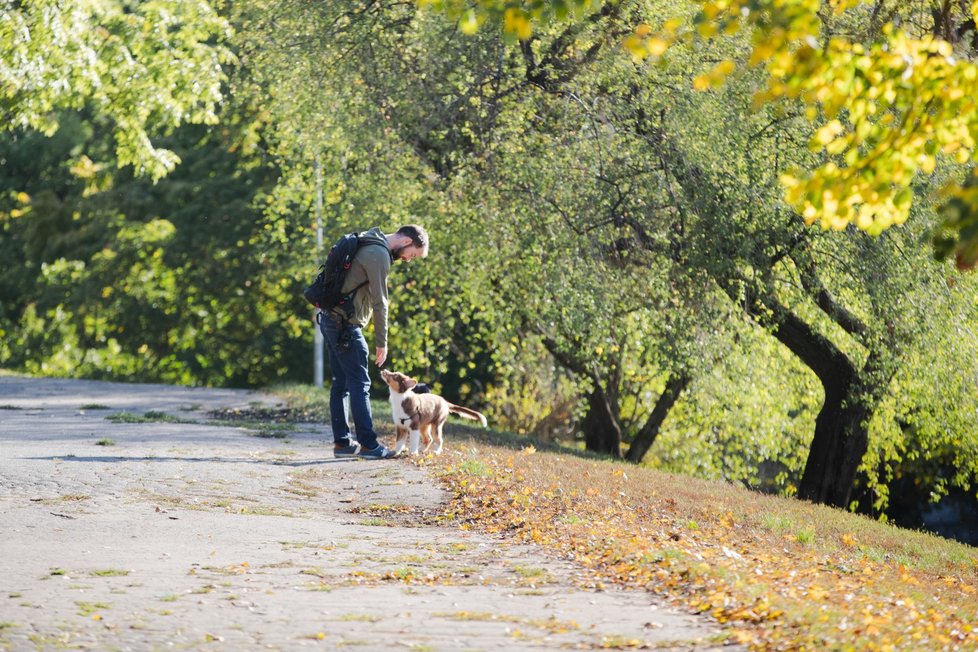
(516,18)
(889,106)
(148,66)
(958,236)
(777,575)
(902,98)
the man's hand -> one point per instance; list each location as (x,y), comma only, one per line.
(381,355)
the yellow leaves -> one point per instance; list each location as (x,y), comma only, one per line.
(827,133)
(635,47)
(927,163)
(714,77)
(671,26)
(727,566)
(817,593)
(84,168)
(706,30)
(644,43)
(762,52)
(840,6)
(742,637)
(656,46)
(891,107)
(701,83)
(469,23)
(711,10)
(516,21)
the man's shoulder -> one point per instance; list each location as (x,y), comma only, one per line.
(372,236)
(373,248)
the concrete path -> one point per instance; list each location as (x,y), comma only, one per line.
(182,535)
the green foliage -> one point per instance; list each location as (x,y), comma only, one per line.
(145,66)
(747,420)
(890,89)
(142,281)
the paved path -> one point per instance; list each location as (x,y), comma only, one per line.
(188,536)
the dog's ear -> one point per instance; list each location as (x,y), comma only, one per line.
(408,383)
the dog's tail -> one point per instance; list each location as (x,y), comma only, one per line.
(466,413)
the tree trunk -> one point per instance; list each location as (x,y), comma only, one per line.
(851,393)
(841,428)
(840,441)
(646,436)
(602,431)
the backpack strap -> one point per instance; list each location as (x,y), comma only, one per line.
(378,242)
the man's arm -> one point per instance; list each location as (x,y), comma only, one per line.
(377,277)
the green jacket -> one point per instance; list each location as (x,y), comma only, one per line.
(372,263)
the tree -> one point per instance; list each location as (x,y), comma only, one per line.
(338,83)
(837,302)
(683,183)
(890,86)
(147,66)
(120,277)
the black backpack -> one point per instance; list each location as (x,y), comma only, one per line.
(326,292)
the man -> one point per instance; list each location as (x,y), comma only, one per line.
(348,353)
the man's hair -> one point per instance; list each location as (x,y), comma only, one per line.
(418,236)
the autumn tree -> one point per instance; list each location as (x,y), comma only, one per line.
(890,87)
(719,165)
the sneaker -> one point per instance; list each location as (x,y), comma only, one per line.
(378,453)
(350,450)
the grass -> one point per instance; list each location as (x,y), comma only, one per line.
(257,427)
(153,416)
(109,572)
(91,608)
(526,571)
(366,618)
(777,573)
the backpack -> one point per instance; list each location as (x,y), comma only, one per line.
(326,292)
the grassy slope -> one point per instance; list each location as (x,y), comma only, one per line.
(779,573)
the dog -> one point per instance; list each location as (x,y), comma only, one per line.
(420,415)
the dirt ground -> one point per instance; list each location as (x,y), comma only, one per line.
(122,531)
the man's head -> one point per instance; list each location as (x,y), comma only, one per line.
(408,242)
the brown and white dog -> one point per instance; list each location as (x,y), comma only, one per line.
(420,415)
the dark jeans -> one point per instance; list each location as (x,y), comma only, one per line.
(348,367)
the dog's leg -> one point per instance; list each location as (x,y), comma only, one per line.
(415,441)
(426,436)
(402,436)
(438,438)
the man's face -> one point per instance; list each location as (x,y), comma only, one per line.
(407,254)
